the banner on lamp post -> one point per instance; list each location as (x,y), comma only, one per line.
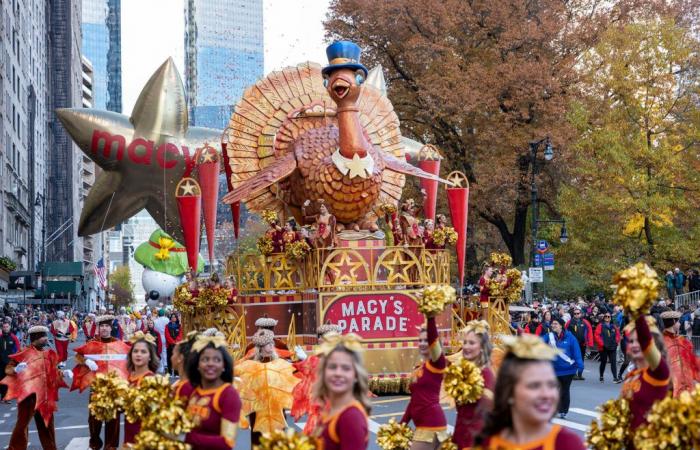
(189,206)
(429,160)
(458,201)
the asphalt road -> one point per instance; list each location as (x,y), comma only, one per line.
(72,430)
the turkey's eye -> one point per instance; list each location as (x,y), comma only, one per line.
(359,77)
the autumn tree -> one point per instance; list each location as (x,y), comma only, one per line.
(634,171)
(480,79)
(120,286)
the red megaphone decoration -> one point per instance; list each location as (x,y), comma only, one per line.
(458,201)
(189,206)
(208,167)
(429,160)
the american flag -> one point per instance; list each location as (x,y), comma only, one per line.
(101,273)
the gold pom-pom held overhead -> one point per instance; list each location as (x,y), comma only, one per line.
(612,431)
(269,216)
(445,235)
(264,245)
(464,382)
(636,289)
(107,397)
(500,259)
(435,298)
(285,440)
(394,436)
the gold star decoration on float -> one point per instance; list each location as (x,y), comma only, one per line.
(458,179)
(143,156)
(346,267)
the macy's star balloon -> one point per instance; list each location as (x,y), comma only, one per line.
(143,156)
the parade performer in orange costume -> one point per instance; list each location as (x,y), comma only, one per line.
(89,327)
(33,379)
(268,323)
(142,361)
(214,403)
(424,407)
(62,328)
(685,370)
(648,383)
(344,388)
(525,400)
(476,347)
(101,355)
(304,403)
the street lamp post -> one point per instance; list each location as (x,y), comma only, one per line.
(40,199)
(548,156)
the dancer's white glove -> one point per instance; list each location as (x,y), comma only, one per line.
(299,351)
(92,365)
(21,367)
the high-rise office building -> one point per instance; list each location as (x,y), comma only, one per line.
(101,27)
(223,55)
(24,91)
(63,195)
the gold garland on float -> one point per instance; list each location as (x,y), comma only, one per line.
(394,436)
(297,250)
(286,440)
(185,302)
(182,299)
(446,234)
(464,382)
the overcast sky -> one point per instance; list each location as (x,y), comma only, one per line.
(293,34)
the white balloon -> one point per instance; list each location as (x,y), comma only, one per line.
(163,283)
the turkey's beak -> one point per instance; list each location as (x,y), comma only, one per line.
(340,87)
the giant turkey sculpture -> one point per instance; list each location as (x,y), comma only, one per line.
(310,134)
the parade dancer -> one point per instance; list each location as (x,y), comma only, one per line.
(424,407)
(476,347)
(214,404)
(685,370)
(142,361)
(181,353)
(649,381)
(33,379)
(61,328)
(101,355)
(304,403)
(268,323)
(525,399)
(89,327)
(344,388)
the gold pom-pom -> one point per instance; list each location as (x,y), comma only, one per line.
(448,445)
(182,300)
(464,382)
(107,396)
(285,440)
(446,234)
(388,208)
(636,289)
(515,285)
(264,245)
(394,436)
(150,440)
(297,250)
(269,216)
(154,405)
(501,259)
(435,297)
(612,432)
(672,423)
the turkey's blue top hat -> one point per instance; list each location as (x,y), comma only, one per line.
(343,55)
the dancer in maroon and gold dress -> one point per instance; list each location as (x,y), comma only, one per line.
(525,400)
(142,361)
(649,382)
(424,407)
(476,347)
(181,353)
(214,403)
(344,387)
(306,367)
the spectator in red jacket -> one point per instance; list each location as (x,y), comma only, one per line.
(173,335)
(546,325)
(531,324)
(607,337)
(583,332)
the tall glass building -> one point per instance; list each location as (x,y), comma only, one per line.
(101,45)
(223,55)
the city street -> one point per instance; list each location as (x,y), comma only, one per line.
(72,429)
